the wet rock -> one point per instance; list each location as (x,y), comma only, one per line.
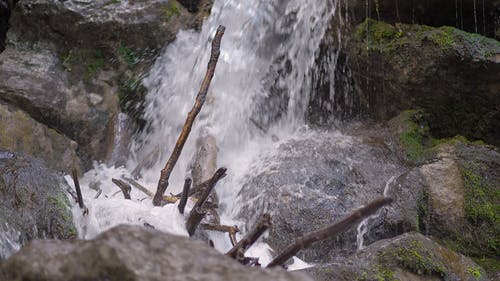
(464,212)
(20,133)
(315,180)
(138,24)
(32,203)
(384,69)
(34,81)
(409,257)
(130,253)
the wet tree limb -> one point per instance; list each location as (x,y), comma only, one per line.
(200,100)
(125,187)
(185,195)
(238,251)
(330,231)
(198,212)
(79,196)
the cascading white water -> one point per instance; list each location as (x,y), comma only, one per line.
(363,225)
(262,38)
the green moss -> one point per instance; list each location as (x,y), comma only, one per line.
(414,136)
(474,271)
(95,64)
(130,55)
(415,258)
(111,2)
(444,37)
(172,9)
(489,264)
(58,204)
(480,199)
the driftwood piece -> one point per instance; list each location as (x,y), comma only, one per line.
(238,251)
(231,230)
(79,196)
(200,100)
(330,231)
(198,213)
(185,195)
(125,187)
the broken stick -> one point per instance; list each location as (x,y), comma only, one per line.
(200,100)
(238,251)
(185,195)
(125,187)
(79,192)
(330,231)
(198,212)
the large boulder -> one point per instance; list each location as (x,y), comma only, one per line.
(33,203)
(384,69)
(131,253)
(314,180)
(21,133)
(409,257)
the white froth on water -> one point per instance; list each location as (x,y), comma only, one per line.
(260,35)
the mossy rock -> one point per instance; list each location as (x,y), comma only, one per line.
(33,203)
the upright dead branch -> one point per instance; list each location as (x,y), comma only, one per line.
(78,191)
(185,195)
(198,212)
(238,251)
(330,231)
(200,100)
(125,187)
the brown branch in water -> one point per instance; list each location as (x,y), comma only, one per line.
(185,195)
(125,187)
(238,251)
(140,187)
(195,216)
(200,100)
(330,231)
(196,189)
(79,192)
(231,230)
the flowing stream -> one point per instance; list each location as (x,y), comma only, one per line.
(267,45)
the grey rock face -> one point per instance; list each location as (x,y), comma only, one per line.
(32,203)
(312,182)
(131,253)
(409,257)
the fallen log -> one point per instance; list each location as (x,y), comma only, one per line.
(185,195)
(125,187)
(198,212)
(238,251)
(329,231)
(200,100)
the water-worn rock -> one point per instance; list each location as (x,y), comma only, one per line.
(32,203)
(34,81)
(131,253)
(315,180)
(20,133)
(409,257)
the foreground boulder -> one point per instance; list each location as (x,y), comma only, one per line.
(409,257)
(130,253)
(313,181)
(32,203)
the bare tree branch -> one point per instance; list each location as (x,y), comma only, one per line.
(238,251)
(330,231)
(200,100)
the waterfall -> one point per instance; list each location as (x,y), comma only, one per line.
(267,56)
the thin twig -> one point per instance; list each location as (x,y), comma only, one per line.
(200,100)
(140,187)
(330,231)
